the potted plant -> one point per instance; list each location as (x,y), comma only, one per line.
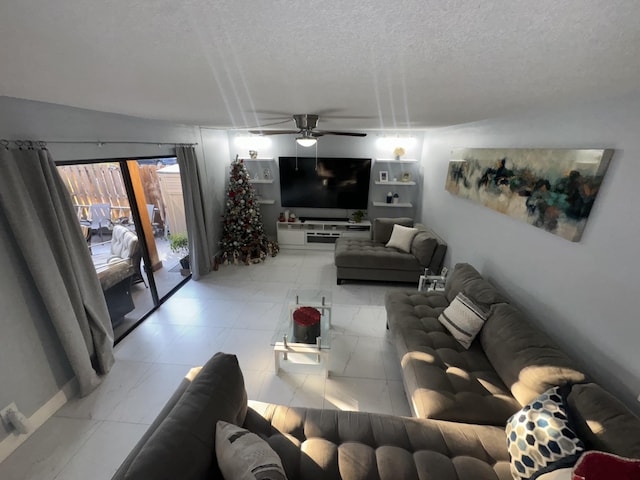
(179,244)
(358,215)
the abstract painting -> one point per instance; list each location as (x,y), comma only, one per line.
(552,189)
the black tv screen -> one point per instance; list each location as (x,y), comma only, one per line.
(333,183)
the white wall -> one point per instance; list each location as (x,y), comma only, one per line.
(586,292)
(32,365)
(335,146)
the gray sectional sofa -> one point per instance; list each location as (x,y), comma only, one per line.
(370,259)
(461,400)
(510,363)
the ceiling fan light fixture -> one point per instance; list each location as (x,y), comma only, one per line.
(305,141)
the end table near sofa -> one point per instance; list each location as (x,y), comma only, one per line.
(431,283)
(284,341)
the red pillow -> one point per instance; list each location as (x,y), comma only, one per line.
(606,466)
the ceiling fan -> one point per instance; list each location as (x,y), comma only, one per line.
(306,124)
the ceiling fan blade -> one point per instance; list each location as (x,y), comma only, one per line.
(274,132)
(346,134)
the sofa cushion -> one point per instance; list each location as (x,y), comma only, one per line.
(463,319)
(401,238)
(604,423)
(382,227)
(423,246)
(361,253)
(540,438)
(527,360)
(182,446)
(332,444)
(244,455)
(442,379)
(466,279)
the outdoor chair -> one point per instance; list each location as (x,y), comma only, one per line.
(125,247)
(100,214)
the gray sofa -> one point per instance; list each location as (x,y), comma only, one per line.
(461,400)
(510,363)
(331,444)
(370,259)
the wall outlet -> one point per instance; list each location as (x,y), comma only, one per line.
(12,419)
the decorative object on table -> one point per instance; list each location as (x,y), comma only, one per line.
(292,217)
(389,197)
(540,437)
(398,152)
(179,244)
(281,218)
(384,176)
(552,189)
(243,237)
(306,324)
(267,174)
(253,154)
(358,215)
(396,198)
(406,177)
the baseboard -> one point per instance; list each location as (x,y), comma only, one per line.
(46,411)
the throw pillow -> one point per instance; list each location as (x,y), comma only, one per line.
(540,438)
(560,474)
(401,238)
(243,455)
(605,466)
(463,319)
(382,227)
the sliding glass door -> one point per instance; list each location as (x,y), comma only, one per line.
(129,211)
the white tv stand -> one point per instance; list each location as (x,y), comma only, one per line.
(319,234)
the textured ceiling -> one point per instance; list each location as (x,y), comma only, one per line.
(383,64)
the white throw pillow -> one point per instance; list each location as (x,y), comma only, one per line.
(243,455)
(401,238)
(464,320)
(561,474)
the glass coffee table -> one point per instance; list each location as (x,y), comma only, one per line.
(304,328)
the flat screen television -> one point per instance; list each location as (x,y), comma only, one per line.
(333,183)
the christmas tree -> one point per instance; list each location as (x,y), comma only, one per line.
(243,237)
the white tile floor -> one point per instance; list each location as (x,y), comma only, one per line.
(233,310)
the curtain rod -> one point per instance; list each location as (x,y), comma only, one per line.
(43,143)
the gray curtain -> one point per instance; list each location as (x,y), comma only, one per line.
(200,239)
(46,232)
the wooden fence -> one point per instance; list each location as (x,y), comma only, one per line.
(100,183)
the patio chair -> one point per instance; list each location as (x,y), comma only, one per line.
(100,214)
(155,227)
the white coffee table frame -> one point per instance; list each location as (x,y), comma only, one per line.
(282,346)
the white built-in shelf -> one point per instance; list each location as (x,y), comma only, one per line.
(266,202)
(396,205)
(396,183)
(393,160)
(259,159)
(260,180)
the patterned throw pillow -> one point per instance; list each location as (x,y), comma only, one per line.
(243,455)
(540,439)
(463,319)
